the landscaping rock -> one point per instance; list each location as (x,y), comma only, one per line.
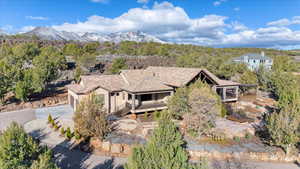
(106,146)
(232,129)
(116,148)
(126,149)
(96,143)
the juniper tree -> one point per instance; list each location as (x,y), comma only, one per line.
(90,118)
(164,150)
(18,150)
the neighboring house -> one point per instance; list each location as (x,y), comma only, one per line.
(146,90)
(254,61)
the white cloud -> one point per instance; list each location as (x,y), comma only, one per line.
(237,9)
(219,2)
(237,26)
(285,22)
(100,1)
(143,1)
(37,18)
(171,23)
(163,20)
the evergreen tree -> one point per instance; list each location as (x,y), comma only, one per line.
(44,162)
(19,151)
(164,150)
(178,103)
(117,65)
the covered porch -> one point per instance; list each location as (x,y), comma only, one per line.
(145,102)
(228,93)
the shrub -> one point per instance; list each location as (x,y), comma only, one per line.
(90,118)
(50,119)
(62,131)
(157,115)
(52,123)
(18,150)
(283,128)
(248,136)
(56,127)
(69,133)
(77,135)
(237,139)
(165,149)
(224,111)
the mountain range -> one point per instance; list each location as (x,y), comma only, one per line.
(49,33)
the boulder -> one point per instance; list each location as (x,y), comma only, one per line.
(106,146)
(116,148)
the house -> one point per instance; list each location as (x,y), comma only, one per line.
(145,90)
(254,61)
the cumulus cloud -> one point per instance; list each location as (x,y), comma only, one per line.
(163,20)
(285,22)
(42,18)
(237,26)
(171,23)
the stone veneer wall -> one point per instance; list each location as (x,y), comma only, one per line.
(124,150)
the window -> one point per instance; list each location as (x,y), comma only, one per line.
(129,96)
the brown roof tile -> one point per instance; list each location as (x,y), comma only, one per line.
(150,79)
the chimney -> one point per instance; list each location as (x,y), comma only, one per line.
(263,54)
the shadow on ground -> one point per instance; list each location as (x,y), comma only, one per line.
(74,158)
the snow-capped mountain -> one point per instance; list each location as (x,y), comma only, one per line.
(122,36)
(133,36)
(48,33)
(96,37)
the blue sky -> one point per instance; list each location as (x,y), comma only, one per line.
(224,23)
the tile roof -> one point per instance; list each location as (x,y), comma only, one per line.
(150,79)
(174,76)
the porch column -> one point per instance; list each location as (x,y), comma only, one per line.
(224,93)
(237,92)
(133,103)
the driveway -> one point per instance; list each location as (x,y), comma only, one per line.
(34,122)
(21,117)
